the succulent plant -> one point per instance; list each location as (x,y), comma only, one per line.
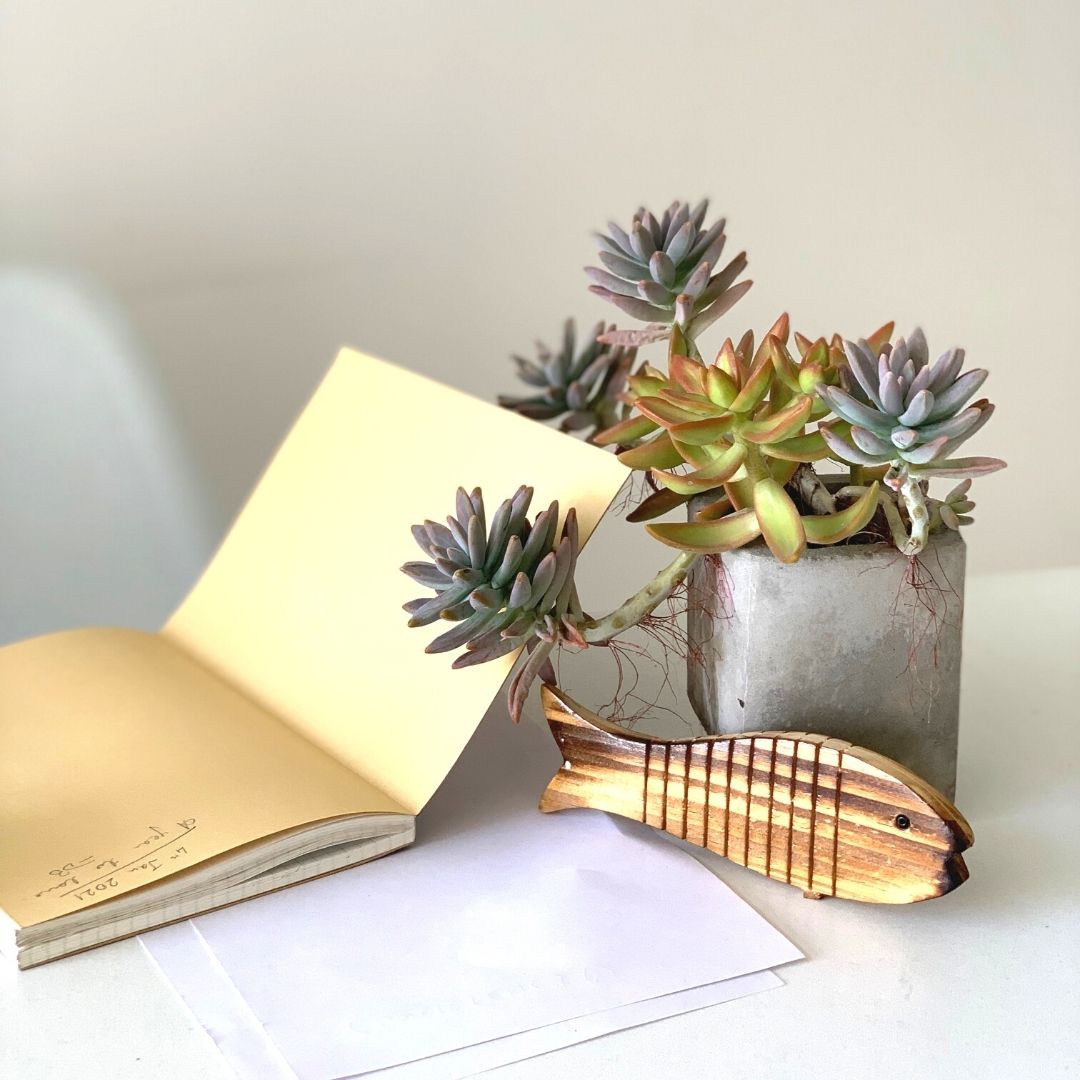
(512,586)
(503,587)
(904,411)
(583,389)
(910,415)
(739,425)
(741,432)
(955,509)
(661,269)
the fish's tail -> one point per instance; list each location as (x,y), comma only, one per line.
(587,742)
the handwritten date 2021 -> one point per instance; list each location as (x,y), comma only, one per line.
(91,878)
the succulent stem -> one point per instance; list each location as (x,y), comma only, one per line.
(812,490)
(888,505)
(892,516)
(914,500)
(643,602)
(755,466)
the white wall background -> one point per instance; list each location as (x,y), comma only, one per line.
(260,182)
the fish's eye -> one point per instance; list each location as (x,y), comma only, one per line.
(903,821)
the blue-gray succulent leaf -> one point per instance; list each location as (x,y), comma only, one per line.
(863,368)
(703,243)
(426,574)
(487,598)
(621,239)
(854,411)
(459,633)
(609,281)
(891,394)
(529,372)
(696,282)
(955,442)
(705,318)
(681,242)
(926,452)
(638,308)
(623,267)
(641,241)
(679,223)
(918,349)
(960,425)
(870,443)
(903,438)
(954,397)
(945,369)
(662,269)
(654,293)
(918,409)
(847,451)
(917,385)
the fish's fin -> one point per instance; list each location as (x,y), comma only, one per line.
(560,708)
(586,742)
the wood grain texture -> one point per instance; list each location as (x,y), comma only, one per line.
(828,817)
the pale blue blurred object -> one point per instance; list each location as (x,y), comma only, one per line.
(102,520)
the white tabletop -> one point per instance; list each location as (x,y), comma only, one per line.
(980,983)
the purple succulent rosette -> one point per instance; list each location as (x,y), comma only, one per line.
(661,271)
(503,587)
(910,415)
(581,388)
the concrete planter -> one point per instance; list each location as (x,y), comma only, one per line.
(840,643)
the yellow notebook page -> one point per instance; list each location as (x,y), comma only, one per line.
(301,606)
(123,761)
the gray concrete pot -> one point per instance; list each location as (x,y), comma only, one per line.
(839,643)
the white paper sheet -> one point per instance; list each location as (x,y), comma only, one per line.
(500,921)
(194,972)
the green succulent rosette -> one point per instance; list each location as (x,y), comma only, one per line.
(735,429)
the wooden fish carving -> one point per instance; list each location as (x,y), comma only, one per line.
(821,814)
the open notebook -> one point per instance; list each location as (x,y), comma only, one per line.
(285,722)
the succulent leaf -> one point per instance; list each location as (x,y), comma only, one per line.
(657,453)
(709,537)
(831,528)
(688,373)
(808,447)
(715,510)
(757,384)
(781,425)
(706,478)
(626,431)
(656,505)
(662,411)
(972,466)
(779,520)
(701,432)
(845,449)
